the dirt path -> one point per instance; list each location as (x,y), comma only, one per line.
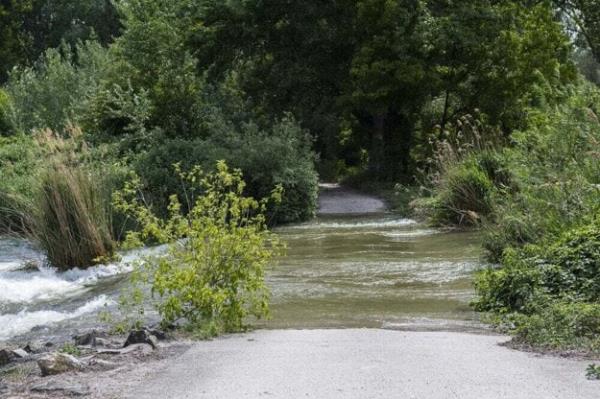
(337,200)
(358,363)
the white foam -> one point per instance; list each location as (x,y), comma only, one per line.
(34,288)
(356,225)
(48,284)
(410,233)
(24,321)
(10,265)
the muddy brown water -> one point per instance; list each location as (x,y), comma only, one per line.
(375,270)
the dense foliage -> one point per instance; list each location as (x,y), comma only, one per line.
(541,221)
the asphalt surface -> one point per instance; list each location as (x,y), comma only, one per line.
(359,363)
(337,200)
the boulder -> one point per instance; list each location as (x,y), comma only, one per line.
(57,363)
(141,337)
(20,354)
(61,387)
(6,356)
(87,339)
(36,347)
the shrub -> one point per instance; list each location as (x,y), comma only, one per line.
(213,271)
(511,288)
(281,155)
(466,171)
(568,267)
(555,171)
(550,291)
(56,90)
(19,166)
(562,325)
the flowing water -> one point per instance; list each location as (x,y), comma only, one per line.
(369,271)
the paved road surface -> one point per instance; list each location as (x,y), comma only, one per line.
(336,200)
(361,364)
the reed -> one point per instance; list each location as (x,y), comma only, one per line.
(71,219)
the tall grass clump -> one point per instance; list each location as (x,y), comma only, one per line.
(71,219)
(52,193)
(465,172)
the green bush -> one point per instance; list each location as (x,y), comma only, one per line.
(568,267)
(212,275)
(510,288)
(281,155)
(20,160)
(57,89)
(551,291)
(555,174)
(562,325)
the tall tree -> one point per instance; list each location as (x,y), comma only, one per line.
(14,41)
(585,15)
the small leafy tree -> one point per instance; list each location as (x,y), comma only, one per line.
(212,273)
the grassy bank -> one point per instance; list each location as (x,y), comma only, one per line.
(537,200)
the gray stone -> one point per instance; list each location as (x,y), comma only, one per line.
(20,353)
(6,356)
(141,337)
(61,387)
(86,339)
(57,363)
(35,347)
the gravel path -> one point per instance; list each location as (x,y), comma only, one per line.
(358,363)
(337,200)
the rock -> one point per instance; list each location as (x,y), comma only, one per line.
(61,387)
(160,334)
(57,363)
(6,356)
(141,337)
(35,347)
(86,339)
(20,354)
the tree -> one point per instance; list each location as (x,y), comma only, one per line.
(28,28)
(14,42)
(585,15)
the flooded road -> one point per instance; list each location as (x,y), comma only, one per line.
(373,270)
